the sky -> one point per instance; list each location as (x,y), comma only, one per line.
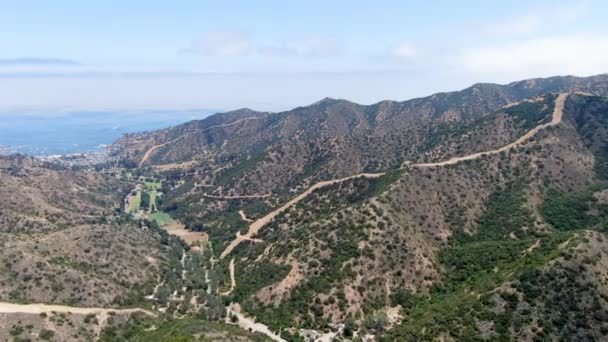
(274,55)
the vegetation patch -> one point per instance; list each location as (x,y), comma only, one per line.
(575,210)
(187,329)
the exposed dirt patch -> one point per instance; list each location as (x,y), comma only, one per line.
(179,229)
(175,166)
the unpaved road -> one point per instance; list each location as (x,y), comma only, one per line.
(244,217)
(555,120)
(156,147)
(234,309)
(258,224)
(249,324)
(232,279)
(261,222)
(47,308)
(101,313)
(237,196)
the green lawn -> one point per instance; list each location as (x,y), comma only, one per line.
(153,195)
(135,203)
(153,185)
(161,218)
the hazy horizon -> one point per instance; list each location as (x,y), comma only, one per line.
(113,55)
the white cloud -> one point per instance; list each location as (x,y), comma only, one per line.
(559,55)
(240,44)
(519,25)
(403,51)
(38,61)
(540,19)
(222,44)
(313,46)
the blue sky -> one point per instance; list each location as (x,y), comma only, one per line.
(273,55)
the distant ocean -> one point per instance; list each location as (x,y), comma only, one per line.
(47,133)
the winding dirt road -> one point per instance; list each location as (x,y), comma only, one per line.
(261,222)
(154,148)
(555,120)
(236,196)
(47,308)
(232,279)
(255,226)
(244,217)
(250,324)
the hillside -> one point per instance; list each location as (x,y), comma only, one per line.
(269,160)
(63,240)
(72,265)
(402,242)
(276,152)
(473,215)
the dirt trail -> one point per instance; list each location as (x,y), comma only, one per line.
(101,313)
(556,119)
(234,309)
(261,222)
(232,279)
(533,247)
(258,224)
(237,196)
(244,217)
(250,324)
(243,237)
(47,308)
(156,147)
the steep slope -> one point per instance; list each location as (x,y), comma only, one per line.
(63,243)
(438,213)
(281,154)
(342,136)
(354,247)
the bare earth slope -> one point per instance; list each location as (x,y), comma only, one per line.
(61,242)
(403,229)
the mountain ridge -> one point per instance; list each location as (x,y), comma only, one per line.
(343,218)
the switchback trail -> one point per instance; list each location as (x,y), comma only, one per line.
(156,147)
(261,222)
(558,112)
(234,309)
(255,226)
(556,118)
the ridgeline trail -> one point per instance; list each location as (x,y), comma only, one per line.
(258,224)
(261,222)
(154,148)
(556,119)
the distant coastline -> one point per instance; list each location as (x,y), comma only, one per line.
(46,134)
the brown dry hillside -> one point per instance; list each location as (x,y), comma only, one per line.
(357,246)
(62,242)
(472,215)
(282,154)
(274,152)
